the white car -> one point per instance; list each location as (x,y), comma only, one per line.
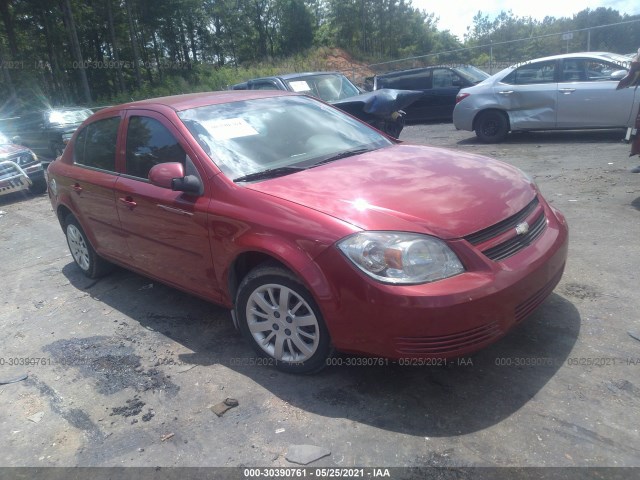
(571,91)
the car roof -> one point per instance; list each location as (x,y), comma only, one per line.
(601,55)
(420,69)
(194,100)
(289,76)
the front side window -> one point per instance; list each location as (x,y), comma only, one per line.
(149,143)
(472,74)
(96,144)
(532,73)
(586,70)
(445,78)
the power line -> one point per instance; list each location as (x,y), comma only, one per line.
(492,44)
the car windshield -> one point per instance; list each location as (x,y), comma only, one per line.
(279,135)
(327,86)
(473,74)
(63,117)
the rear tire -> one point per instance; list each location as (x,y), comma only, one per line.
(86,258)
(281,320)
(492,126)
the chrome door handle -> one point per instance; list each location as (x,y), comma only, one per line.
(179,211)
(567,91)
(128,201)
(506,92)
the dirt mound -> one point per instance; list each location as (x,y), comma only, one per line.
(339,60)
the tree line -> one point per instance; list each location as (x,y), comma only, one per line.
(102,51)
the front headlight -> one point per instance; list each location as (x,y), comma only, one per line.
(396,257)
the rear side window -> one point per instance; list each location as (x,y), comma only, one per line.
(96,144)
(542,72)
(150,143)
(410,80)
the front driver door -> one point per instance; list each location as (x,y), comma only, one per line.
(166,230)
(587,97)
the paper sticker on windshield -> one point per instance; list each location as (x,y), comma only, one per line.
(229,128)
(300,86)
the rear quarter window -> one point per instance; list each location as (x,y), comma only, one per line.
(95,145)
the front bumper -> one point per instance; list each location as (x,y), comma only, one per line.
(12,178)
(448,318)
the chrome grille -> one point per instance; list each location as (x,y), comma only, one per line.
(503,226)
(517,243)
(21,158)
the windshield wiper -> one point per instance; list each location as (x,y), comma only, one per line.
(345,154)
(269,173)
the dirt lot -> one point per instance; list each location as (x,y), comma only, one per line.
(127,369)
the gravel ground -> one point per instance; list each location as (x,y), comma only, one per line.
(127,369)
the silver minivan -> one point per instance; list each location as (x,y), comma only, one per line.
(571,91)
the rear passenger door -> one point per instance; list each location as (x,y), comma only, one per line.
(530,95)
(92,187)
(166,231)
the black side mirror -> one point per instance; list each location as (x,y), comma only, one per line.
(187,184)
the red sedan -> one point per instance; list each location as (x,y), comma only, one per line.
(317,231)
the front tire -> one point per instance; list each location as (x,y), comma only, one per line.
(56,149)
(492,126)
(281,320)
(86,258)
(38,187)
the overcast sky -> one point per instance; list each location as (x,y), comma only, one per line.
(456,16)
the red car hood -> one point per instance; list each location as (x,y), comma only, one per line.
(446,193)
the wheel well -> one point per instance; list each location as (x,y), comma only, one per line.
(63,213)
(497,110)
(242,265)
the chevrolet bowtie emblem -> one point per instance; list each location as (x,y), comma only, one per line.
(522,228)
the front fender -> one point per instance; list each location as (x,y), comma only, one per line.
(291,255)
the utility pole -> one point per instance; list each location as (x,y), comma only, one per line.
(490,57)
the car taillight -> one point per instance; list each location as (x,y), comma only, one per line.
(461,96)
